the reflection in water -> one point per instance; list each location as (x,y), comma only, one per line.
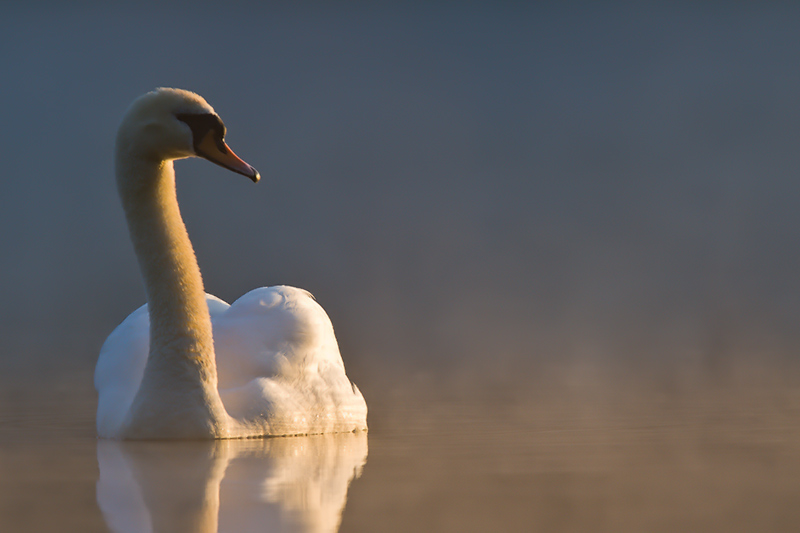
(278,484)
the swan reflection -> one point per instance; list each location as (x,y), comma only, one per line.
(278,484)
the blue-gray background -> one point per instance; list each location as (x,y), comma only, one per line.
(468,189)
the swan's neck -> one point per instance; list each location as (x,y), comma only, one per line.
(181,370)
(180,326)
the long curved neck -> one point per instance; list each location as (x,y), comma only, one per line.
(178,393)
(180,325)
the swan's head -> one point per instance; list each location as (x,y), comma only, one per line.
(168,124)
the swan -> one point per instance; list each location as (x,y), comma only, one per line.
(186,365)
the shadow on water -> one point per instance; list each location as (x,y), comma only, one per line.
(296,484)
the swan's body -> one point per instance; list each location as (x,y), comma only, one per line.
(187,365)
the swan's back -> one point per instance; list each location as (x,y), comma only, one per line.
(279,367)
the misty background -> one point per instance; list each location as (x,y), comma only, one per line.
(473,192)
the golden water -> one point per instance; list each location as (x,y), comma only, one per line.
(566,457)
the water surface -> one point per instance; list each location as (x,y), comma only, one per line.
(565,457)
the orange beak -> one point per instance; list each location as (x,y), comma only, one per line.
(216,151)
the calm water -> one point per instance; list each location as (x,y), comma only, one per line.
(471,191)
(572,456)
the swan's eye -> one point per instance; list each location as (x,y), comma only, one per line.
(202,124)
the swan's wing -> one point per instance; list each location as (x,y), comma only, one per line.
(119,370)
(279,365)
(121,365)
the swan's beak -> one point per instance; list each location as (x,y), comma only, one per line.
(216,151)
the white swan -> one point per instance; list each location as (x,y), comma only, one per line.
(272,365)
